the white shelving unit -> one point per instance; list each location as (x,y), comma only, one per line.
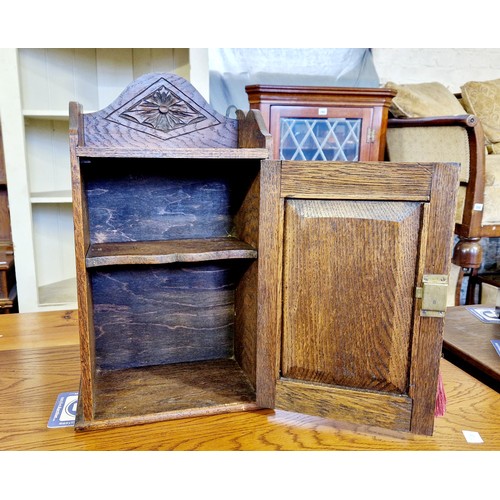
(35,90)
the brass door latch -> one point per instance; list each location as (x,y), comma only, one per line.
(433,292)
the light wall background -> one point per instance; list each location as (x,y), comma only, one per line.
(451,67)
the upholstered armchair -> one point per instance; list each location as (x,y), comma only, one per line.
(432,124)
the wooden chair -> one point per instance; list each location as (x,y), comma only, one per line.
(454,139)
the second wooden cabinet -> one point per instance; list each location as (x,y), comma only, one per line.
(324,123)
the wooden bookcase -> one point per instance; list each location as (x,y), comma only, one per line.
(35,88)
(8,288)
(166,197)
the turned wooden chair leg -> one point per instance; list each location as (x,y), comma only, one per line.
(458,288)
(468,253)
(470,297)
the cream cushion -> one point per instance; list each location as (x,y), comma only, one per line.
(491,213)
(492,171)
(448,144)
(483,100)
(419,100)
(452,285)
(488,294)
(494,149)
(433,144)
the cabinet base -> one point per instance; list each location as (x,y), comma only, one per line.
(167,392)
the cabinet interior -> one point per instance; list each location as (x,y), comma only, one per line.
(172,265)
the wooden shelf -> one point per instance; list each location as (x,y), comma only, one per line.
(58,293)
(163,392)
(216,153)
(166,252)
(63,196)
(47,114)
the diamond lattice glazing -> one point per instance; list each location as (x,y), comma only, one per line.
(325,139)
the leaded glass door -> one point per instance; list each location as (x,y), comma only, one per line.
(330,139)
(321,133)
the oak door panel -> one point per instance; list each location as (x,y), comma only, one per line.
(365,407)
(349,276)
(342,328)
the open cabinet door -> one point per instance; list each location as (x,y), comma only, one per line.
(353,272)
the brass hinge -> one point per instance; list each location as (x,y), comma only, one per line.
(433,292)
(370,135)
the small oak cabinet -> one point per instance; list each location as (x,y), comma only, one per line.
(214,279)
(324,123)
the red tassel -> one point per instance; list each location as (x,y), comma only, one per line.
(440,398)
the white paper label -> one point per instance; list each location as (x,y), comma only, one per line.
(472,437)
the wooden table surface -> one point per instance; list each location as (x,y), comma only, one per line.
(39,360)
(469,339)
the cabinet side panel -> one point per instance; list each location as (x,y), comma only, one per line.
(270,284)
(246,301)
(349,278)
(245,341)
(149,315)
(81,237)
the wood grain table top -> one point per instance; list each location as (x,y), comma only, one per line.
(469,339)
(39,359)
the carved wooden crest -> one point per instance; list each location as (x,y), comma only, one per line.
(164,111)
